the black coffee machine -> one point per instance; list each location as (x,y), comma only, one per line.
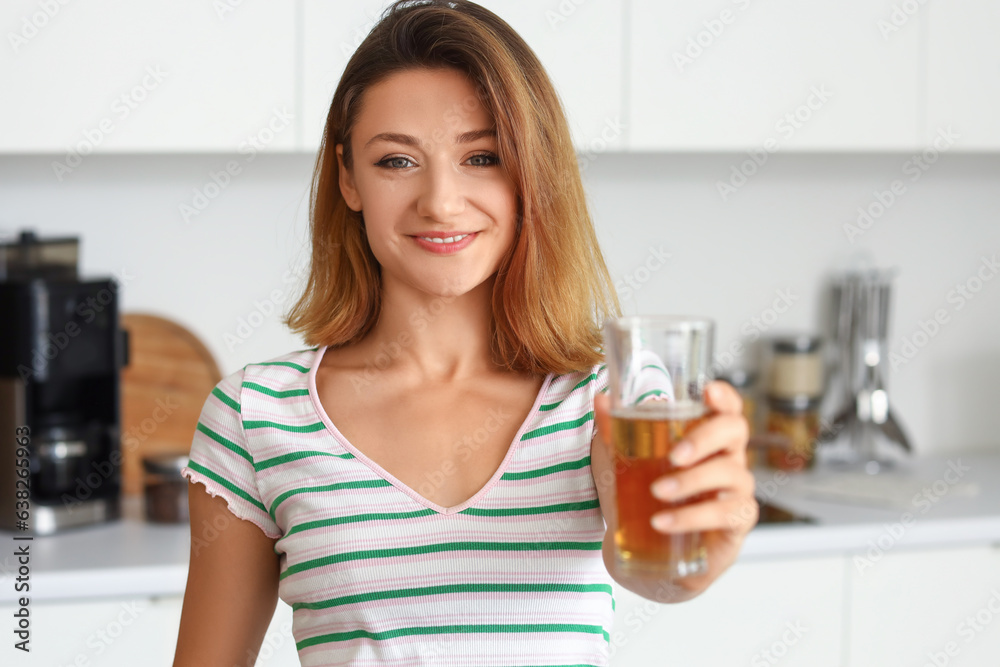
(61,355)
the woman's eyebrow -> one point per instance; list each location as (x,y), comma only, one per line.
(409,140)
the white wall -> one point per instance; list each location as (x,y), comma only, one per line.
(783,230)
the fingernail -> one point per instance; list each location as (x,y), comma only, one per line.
(682,453)
(662,521)
(665,489)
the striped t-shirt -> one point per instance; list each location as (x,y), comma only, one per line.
(375,573)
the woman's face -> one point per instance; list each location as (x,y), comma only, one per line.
(425,164)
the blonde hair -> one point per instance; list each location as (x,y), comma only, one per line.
(552,290)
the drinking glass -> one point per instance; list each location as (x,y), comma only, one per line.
(658,366)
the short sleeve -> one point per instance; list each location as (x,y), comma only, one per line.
(220,458)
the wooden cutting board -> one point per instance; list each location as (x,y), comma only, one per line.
(164,387)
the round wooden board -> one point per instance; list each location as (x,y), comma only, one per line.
(164,387)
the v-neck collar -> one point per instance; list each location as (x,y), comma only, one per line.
(384,474)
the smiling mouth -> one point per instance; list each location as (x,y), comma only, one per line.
(442,241)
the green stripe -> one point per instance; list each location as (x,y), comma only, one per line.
(436,548)
(218,393)
(541,472)
(288,364)
(561,426)
(295,456)
(471,511)
(226,483)
(308,428)
(277,394)
(651,392)
(359,484)
(228,444)
(544,509)
(453,629)
(454,588)
(659,368)
(357,518)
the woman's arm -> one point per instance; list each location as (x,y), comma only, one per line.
(232,586)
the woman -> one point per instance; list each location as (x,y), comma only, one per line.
(428,484)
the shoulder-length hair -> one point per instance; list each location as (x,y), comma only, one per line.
(552,290)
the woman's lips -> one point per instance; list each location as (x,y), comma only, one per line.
(445,248)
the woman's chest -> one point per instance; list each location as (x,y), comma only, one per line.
(445,445)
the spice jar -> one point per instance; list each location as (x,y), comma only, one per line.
(796,368)
(795,386)
(165,489)
(793,426)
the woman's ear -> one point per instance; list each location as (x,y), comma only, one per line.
(347,187)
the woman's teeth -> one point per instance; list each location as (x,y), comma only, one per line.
(450,239)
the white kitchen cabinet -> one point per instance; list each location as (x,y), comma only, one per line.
(580,45)
(779,75)
(938,607)
(757,613)
(109,76)
(125,633)
(963,72)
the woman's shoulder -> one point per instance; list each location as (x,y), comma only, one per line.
(289,369)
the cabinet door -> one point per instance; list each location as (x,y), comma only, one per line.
(580,45)
(733,75)
(161,75)
(963,73)
(937,607)
(758,613)
(125,633)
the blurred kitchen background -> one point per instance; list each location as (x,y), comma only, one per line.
(736,154)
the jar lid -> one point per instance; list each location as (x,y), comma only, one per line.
(738,377)
(796,343)
(794,403)
(165,464)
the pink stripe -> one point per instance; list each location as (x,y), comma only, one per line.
(504,598)
(354,587)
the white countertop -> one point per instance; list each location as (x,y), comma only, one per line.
(853,512)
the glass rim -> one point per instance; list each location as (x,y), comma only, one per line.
(678,322)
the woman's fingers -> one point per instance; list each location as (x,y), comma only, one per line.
(721,474)
(718,433)
(738,514)
(721,397)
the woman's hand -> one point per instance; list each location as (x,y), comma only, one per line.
(712,466)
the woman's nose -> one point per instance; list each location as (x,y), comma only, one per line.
(441,197)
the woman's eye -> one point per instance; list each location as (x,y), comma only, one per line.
(484,160)
(395,162)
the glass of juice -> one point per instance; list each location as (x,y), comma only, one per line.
(658,366)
